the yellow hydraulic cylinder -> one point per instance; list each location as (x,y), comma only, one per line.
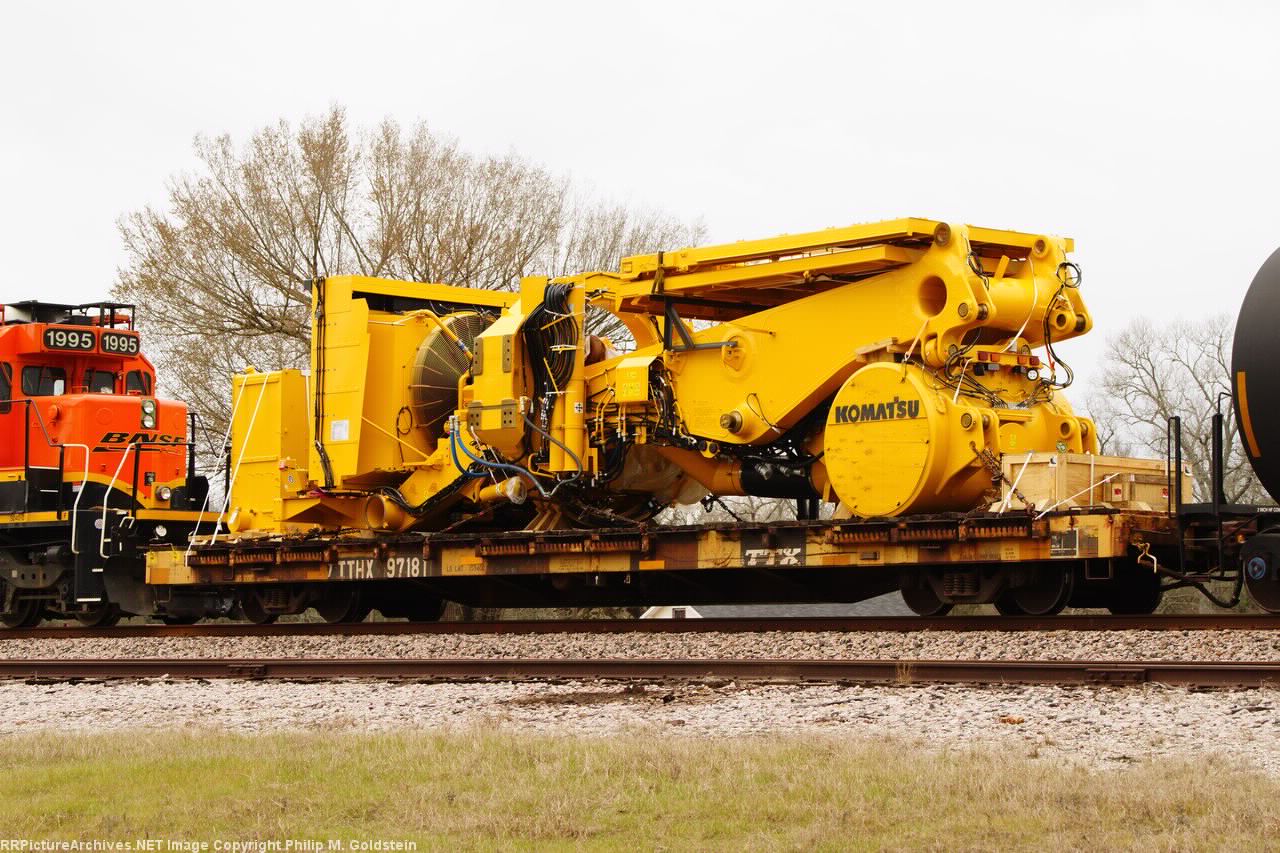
(571,424)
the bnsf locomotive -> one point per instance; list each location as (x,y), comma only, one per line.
(93,466)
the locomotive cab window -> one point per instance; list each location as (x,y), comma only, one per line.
(137,382)
(6,388)
(99,381)
(43,381)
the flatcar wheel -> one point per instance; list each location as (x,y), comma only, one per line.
(1262,579)
(923,601)
(1006,605)
(429,610)
(1138,597)
(342,605)
(26,613)
(102,616)
(251,607)
(1046,595)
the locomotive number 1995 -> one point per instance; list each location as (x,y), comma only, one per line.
(119,343)
(72,339)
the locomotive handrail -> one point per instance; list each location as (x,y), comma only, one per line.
(62,464)
(26,451)
(137,460)
(75,505)
(141,447)
(106,504)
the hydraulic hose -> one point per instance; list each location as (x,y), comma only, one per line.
(500,466)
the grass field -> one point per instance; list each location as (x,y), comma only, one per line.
(490,791)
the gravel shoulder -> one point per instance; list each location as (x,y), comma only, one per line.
(920,645)
(1096,727)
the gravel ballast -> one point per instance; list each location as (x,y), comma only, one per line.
(1099,727)
(921,645)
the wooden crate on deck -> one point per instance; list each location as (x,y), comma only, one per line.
(1082,479)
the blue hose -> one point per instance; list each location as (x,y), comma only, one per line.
(453,450)
(501,466)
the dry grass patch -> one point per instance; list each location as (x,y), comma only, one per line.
(489,791)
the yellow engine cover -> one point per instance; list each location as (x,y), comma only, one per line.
(895,445)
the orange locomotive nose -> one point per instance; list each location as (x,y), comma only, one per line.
(76,397)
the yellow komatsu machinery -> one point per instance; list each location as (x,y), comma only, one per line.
(888,368)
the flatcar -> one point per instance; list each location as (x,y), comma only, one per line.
(898,381)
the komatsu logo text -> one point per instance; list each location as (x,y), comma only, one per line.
(895,409)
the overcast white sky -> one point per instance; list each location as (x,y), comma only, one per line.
(1150,132)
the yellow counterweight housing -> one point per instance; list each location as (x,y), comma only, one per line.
(895,441)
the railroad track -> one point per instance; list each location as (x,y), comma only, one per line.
(1194,622)
(1185,674)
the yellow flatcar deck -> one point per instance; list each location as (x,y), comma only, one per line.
(929,541)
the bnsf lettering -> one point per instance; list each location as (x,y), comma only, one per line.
(139,437)
(895,409)
(121,440)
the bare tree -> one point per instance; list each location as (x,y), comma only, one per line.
(1154,373)
(737,508)
(224,273)
(597,234)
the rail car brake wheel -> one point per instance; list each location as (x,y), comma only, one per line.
(1046,594)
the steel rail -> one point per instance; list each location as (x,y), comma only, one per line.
(1191,622)
(1118,673)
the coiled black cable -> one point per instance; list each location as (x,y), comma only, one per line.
(551,336)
